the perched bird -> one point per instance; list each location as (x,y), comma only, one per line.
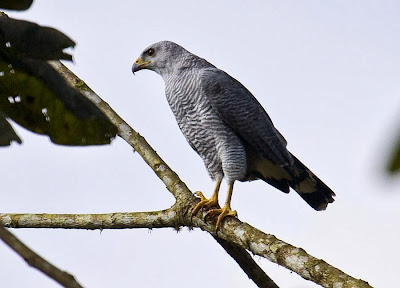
(228,128)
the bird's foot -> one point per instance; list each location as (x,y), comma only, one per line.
(222,212)
(204,202)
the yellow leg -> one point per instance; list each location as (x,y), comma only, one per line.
(224,211)
(207,203)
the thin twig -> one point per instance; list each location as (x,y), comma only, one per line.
(34,260)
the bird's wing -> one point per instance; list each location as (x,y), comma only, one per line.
(238,108)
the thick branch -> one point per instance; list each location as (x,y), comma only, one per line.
(247,263)
(156,219)
(133,138)
(293,258)
(234,231)
(34,260)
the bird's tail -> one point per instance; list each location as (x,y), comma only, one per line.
(315,192)
(297,176)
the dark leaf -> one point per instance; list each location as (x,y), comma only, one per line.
(7,133)
(36,96)
(15,4)
(394,163)
(24,39)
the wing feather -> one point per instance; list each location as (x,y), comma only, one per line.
(241,111)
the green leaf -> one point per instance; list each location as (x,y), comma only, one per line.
(36,96)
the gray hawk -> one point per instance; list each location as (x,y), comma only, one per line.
(225,124)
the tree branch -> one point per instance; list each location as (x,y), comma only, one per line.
(233,230)
(156,219)
(293,258)
(247,263)
(133,138)
(173,183)
(34,260)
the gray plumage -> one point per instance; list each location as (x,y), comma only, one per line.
(227,126)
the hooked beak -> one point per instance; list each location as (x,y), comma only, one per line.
(139,65)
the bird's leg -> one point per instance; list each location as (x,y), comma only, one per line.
(207,203)
(224,211)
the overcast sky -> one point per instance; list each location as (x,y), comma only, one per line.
(327,74)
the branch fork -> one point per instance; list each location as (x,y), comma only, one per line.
(234,236)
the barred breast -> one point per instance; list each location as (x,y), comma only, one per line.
(220,148)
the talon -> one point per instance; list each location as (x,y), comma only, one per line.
(211,213)
(204,203)
(207,203)
(213,203)
(200,195)
(223,213)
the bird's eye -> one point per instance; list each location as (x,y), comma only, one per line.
(150,52)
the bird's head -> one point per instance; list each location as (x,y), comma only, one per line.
(161,57)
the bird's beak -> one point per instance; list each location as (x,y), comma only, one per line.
(139,65)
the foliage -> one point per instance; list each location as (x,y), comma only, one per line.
(37,97)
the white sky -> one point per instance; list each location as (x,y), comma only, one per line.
(327,74)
